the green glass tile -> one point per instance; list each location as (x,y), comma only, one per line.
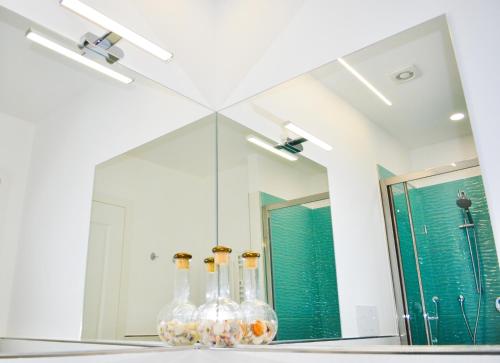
(304,277)
(445,262)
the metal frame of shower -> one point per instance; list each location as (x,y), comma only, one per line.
(403,317)
(267,234)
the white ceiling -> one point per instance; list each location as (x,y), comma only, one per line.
(191,150)
(34,80)
(421,107)
(205,36)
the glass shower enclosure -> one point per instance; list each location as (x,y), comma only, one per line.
(299,247)
(443,256)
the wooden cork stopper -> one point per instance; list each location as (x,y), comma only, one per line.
(250,259)
(221,255)
(209,264)
(181,260)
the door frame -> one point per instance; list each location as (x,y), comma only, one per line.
(266,230)
(403,317)
(128,206)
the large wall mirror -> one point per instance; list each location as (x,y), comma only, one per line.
(358,182)
(148,203)
(374,222)
(136,160)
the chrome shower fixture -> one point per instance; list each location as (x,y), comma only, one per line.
(293,146)
(465,203)
(103,46)
(462,200)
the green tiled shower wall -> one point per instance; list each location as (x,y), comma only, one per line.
(445,263)
(304,275)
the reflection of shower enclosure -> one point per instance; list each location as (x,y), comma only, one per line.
(300,266)
(443,255)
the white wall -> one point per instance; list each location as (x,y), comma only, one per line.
(16,138)
(162,206)
(443,153)
(362,263)
(323,30)
(320,31)
(102,123)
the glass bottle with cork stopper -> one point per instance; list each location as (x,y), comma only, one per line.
(210,284)
(260,323)
(176,321)
(219,320)
(211,279)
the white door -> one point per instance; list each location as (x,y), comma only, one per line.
(104,270)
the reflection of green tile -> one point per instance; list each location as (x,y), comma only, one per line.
(444,260)
(384,173)
(304,277)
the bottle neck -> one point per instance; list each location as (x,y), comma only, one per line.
(211,286)
(250,283)
(181,284)
(223,281)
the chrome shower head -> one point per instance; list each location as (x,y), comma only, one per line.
(462,200)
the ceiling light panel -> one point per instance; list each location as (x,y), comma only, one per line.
(111,25)
(47,43)
(363,80)
(301,132)
(263,144)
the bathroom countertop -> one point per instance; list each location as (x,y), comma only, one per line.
(59,348)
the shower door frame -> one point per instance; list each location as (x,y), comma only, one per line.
(403,317)
(266,237)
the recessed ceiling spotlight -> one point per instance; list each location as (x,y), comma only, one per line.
(111,25)
(457,116)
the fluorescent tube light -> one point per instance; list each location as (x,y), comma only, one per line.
(364,81)
(271,148)
(297,130)
(111,25)
(39,39)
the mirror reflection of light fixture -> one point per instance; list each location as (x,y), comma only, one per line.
(263,144)
(457,116)
(41,40)
(363,80)
(301,132)
(111,25)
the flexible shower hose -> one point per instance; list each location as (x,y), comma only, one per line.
(480,292)
(473,335)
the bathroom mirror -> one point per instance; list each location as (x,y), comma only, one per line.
(70,154)
(148,204)
(289,200)
(386,155)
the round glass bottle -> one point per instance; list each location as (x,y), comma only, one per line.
(260,323)
(219,319)
(210,285)
(176,321)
